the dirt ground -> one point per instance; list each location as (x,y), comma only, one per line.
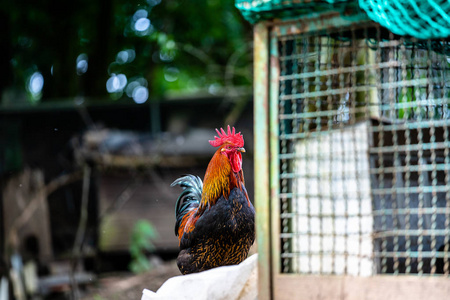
(129,286)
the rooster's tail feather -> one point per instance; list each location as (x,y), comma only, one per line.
(189,198)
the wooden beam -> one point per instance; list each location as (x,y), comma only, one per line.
(383,287)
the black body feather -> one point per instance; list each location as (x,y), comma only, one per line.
(223,234)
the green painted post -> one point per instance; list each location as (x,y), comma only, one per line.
(274,155)
(261,134)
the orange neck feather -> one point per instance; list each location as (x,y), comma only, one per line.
(219,180)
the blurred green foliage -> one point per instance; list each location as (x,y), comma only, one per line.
(73,48)
(140,245)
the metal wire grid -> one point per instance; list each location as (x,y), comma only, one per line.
(364,153)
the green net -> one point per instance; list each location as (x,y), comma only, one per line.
(257,10)
(422,19)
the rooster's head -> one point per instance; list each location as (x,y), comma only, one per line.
(231,145)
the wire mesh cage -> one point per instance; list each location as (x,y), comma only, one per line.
(364,161)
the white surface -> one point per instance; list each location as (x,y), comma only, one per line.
(333,181)
(237,282)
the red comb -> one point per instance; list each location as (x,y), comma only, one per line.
(230,137)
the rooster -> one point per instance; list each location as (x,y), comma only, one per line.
(215,220)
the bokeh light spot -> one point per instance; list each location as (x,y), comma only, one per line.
(122,81)
(170,44)
(214,88)
(82,64)
(126,56)
(140,13)
(140,94)
(36,83)
(142,24)
(171,74)
(130,88)
(122,57)
(116,83)
(166,56)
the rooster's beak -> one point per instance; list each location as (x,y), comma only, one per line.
(242,149)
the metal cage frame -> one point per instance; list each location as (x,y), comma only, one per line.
(273,284)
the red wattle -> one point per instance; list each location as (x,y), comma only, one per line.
(236,162)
